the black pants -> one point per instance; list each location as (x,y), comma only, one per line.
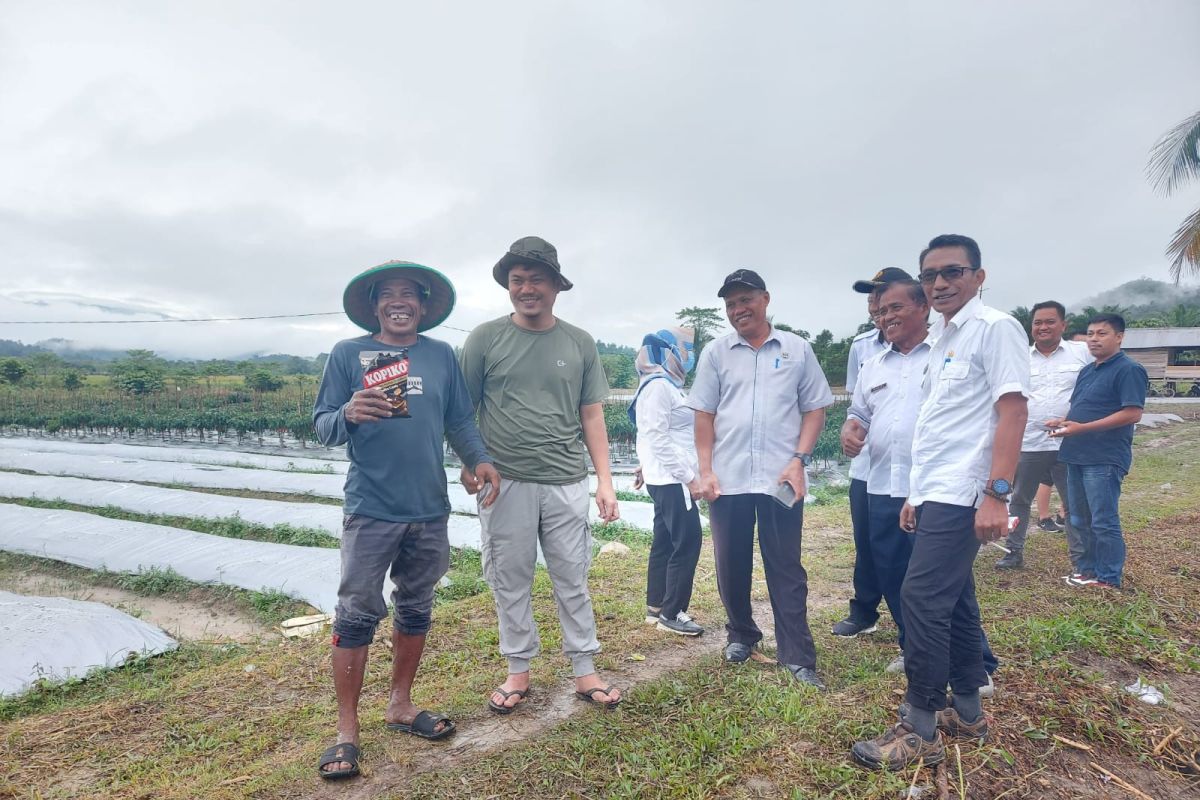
(732,519)
(675,550)
(1034,469)
(889,549)
(943,636)
(864,606)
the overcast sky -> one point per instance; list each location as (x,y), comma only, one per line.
(248,158)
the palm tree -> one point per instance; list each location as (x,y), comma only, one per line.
(1173,162)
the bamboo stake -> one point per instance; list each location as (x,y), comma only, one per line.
(1161,746)
(1073,743)
(1121,782)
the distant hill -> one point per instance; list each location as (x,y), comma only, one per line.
(1145,297)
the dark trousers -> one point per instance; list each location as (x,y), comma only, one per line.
(864,606)
(675,550)
(889,550)
(732,519)
(943,636)
(1034,469)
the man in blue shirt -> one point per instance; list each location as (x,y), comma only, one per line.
(1097,448)
(393,397)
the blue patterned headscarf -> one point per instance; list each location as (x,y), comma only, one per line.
(664,354)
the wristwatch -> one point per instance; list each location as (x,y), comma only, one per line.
(805,458)
(998,488)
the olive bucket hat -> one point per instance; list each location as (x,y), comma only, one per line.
(530,250)
(436,291)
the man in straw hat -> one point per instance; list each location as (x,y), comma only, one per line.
(392,397)
(538,384)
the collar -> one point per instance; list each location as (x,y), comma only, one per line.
(891,349)
(1117,356)
(1034,351)
(737,339)
(972,310)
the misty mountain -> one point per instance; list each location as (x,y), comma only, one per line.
(1144,297)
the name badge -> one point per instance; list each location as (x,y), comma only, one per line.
(875,389)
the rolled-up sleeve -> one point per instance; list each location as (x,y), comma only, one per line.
(1005,356)
(813,391)
(858,403)
(706,391)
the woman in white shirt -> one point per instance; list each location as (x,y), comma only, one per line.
(667,452)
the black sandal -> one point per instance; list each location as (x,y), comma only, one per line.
(342,751)
(500,708)
(589,697)
(425,726)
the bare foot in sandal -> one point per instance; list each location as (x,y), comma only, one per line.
(340,769)
(594,690)
(510,694)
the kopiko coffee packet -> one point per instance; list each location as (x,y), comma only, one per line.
(389,372)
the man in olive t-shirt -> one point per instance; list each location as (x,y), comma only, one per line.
(538,385)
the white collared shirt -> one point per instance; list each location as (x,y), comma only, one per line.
(977,358)
(887,400)
(1051,381)
(758,397)
(666,440)
(863,348)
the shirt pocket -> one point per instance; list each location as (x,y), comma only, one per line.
(954,383)
(1064,377)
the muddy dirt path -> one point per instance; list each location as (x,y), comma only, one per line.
(547,707)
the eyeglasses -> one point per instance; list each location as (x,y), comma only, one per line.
(949,273)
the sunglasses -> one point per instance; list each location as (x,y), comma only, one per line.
(949,273)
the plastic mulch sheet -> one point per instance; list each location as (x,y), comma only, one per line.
(56,639)
(99,464)
(335,463)
(305,573)
(195,455)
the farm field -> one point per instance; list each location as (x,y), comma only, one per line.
(245,713)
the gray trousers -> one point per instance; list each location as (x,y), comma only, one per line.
(556,516)
(1035,467)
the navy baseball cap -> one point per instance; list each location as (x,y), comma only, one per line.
(882,278)
(741,278)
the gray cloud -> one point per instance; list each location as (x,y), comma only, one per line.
(226,161)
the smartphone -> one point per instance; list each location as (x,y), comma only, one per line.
(785,495)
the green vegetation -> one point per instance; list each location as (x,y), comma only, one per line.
(198,722)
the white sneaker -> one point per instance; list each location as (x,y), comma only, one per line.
(895,665)
(988,690)
(651,615)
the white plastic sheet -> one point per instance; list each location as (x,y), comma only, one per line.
(101,465)
(56,639)
(333,460)
(305,573)
(335,464)
(173,502)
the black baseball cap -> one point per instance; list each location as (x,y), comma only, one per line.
(741,277)
(883,277)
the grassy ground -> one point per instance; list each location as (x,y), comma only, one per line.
(198,722)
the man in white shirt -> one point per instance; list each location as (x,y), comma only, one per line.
(879,428)
(864,606)
(965,449)
(1054,366)
(760,399)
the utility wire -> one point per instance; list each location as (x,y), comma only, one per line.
(197,319)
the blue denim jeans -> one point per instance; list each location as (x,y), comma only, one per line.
(1095,490)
